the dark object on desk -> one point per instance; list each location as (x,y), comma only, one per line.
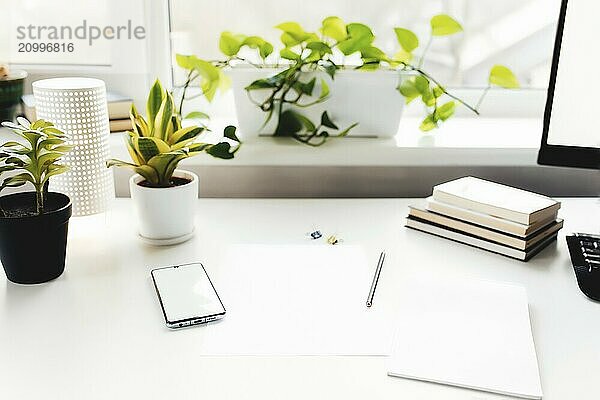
(11,90)
(375,279)
(33,247)
(186,295)
(567,139)
(585,256)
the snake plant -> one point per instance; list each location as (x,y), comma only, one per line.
(36,158)
(158,142)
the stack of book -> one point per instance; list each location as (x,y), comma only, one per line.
(488,215)
(118,110)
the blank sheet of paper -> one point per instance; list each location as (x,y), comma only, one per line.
(473,334)
(297,300)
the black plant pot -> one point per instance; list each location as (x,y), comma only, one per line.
(33,247)
(11,91)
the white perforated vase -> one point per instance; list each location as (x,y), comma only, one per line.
(77,106)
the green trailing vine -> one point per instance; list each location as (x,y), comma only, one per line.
(309,57)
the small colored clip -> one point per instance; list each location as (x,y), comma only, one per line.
(316,235)
(333,240)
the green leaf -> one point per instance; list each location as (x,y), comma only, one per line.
(14,162)
(197,115)
(47,158)
(112,162)
(148,173)
(48,143)
(289,54)
(265,50)
(224,82)
(445,111)
(438,91)
(211,76)
(149,147)
(165,164)
(155,99)
(326,121)
(334,28)
(324,89)
(503,77)
(421,83)
(54,132)
(320,47)
(428,124)
(255,42)
(230,44)
(162,122)
(182,134)
(407,39)
(55,170)
(210,80)
(305,87)
(40,123)
(229,133)
(6,168)
(293,34)
(330,68)
(261,84)
(17,180)
(220,150)
(347,130)
(409,90)
(373,53)
(443,25)
(292,28)
(289,124)
(184,61)
(359,37)
(196,148)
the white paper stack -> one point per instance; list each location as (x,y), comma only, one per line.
(473,334)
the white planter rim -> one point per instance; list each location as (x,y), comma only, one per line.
(249,68)
(179,173)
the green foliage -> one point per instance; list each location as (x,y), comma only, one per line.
(334,28)
(36,158)
(306,53)
(443,25)
(407,39)
(211,77)
(503,77)
(158,142)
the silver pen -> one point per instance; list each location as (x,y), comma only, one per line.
(375,279)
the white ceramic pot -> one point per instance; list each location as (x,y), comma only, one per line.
(367,97)
(165,215)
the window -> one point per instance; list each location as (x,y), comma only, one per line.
(516,33)
(121,42)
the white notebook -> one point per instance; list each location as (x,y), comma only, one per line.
(496,200)
(472,334)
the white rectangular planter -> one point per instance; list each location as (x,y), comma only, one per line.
(367,97)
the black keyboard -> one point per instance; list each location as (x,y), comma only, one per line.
(585,256)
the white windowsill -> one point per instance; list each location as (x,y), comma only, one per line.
(461,141)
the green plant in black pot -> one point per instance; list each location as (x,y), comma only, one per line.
(33,225)
(11,91)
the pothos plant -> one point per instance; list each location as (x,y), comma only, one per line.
(35,159)
(158,142)
(289,91)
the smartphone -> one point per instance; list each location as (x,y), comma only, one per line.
(186,295)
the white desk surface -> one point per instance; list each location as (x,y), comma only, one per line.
(97,331)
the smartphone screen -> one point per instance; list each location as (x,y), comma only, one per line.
(187,296)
